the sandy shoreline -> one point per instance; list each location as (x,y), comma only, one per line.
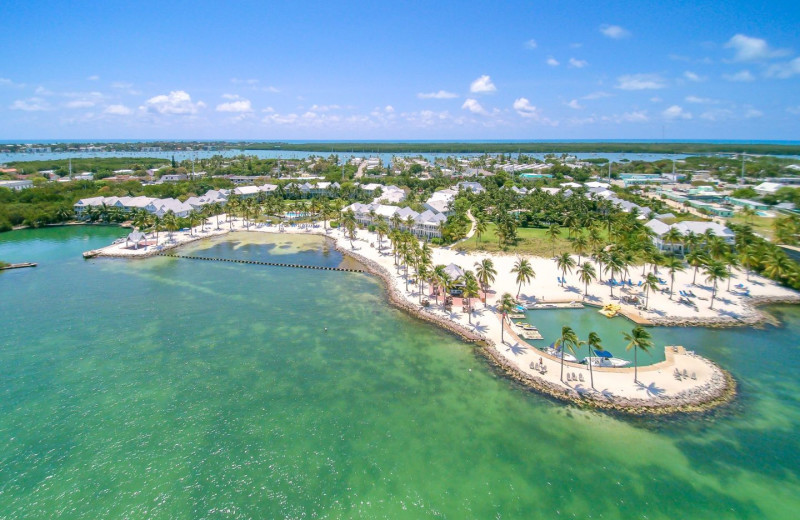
(659,390)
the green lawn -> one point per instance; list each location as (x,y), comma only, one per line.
(530,241)
(761,225)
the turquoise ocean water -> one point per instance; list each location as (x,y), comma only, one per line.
(169,388)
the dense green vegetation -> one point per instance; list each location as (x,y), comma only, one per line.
(104,166)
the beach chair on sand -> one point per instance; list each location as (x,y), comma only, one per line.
(685,374)
(677,374)
(580,377)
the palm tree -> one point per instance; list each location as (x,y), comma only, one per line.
(524,271)
(672,237)
(715,271)
(382,229)
(194,218)
(349,225)
(471,290)
(552,233)
(748,213)
(614,264)
(567,341)
(157,225)
(732,262)
(696,259)
(594,344)
(170,221)
(565,263)
(480,226)
(506,306)
(749,259)
(776,264)
(638,339)
(439,276)
(423,271)
(673,265)
(650,283)
(581,245)
(485,272)
(586,274)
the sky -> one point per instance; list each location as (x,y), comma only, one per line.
(330,70)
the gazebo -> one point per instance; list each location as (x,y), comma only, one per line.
(135,237)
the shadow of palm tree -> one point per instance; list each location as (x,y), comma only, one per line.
(651,389)
(608,394)
(480,328)
(517,349)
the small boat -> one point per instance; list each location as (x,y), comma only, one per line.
(558,353)
(612,362)
(610,310)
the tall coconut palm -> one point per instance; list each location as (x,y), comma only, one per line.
(524,272)
(749,259)
(672,237)
(673,265)
(553,233)
(382,229)
(776,264)
(580,244)
(650,283)
(486,273)
(615,264)
(194,218)
(638,339)
(471,290)
(439,277)
(565,263)
(594,344)
(587,275)
(731,262)
(715,271)
(506,306)
(696,259)
(567,341)
(423,272)
(481,226)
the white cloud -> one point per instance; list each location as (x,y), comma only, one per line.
(442,94)
(324,108)
(752,113)
(597,95)
(574,104)
(33,104)
(389,109)
(176,102)
(552,62)
(640,82)
(637,116)
(525,109)
(748,48)
(42,91)
(578,64)
(742,75)
(121,84)
(239,106)
(691,76)
(93,78)
(614,31)
(473,106)
(784,70)
(482,85)
(531,44)
(676,112)
(701,100)
(656,99)
(5,82)
(718,114)
(118,110)
(794,110)
(80,103)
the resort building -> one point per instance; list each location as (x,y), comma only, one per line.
(16,185)
(474,187)
(685,228)
(441,201)
(390,195)
(425,225)
(747,203)
(768,188)
(157,207)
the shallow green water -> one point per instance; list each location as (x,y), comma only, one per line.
(168,388)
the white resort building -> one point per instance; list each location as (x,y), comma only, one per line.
(660,229)
(425,225)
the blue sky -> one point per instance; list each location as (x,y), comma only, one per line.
(400,70)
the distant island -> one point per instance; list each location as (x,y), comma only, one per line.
(656,147)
